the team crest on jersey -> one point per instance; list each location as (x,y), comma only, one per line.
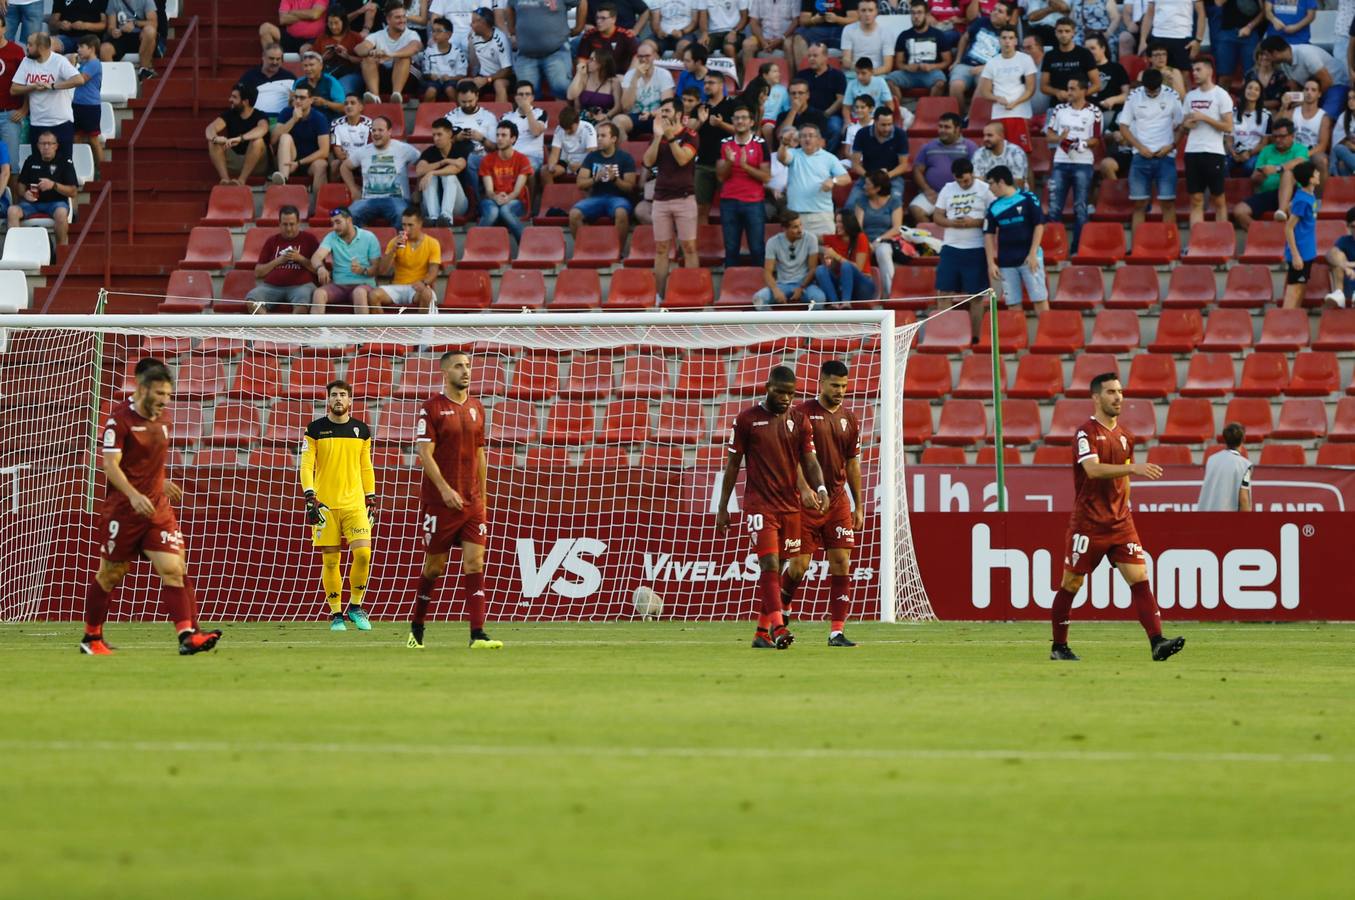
(790,424)
(356,433)
(472,414)
(843,423)
(1124,444)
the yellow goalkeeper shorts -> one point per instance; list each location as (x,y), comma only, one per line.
(349,524)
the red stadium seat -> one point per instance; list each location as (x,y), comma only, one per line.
(520,289)
(710,245)
(425,114)
(398,419)
(987,456)
(393,111)
(1114,331)
(308,377)
(929,112)
(1058,331)
(641,253)
(1140,417)
(725,415)
(1319,282)
(702,374)
(1284,330)
(1020,422)
(644,375)
(1068,416)
(332,195)
(1263,375)
(197,376)
(1253,414)
(626,422)
(1248,286)
(547,458)
(927,376)
(750,375)
(603,457)
(287,420)
(1190,286)
(1316,374)
(1283,455)
(276,196)
(217,457)
(948,332)
(468,290)
(917,422)
(1227,331)
(914,287)
(237,284)
(557,196)
(1151,375)
(1086,367)
(943,456)
(1190,420)
(680,422)
(976,377)
(512,422)
(235,425)
(1080,287)
(371,377)
(208,248)
(1134,287)
(1112,203)
(1101,244)
(446,243)
(689,289)
(578,289)
(421,378)
(1156,244)
(188,291)
(1336,455)
(257,375)
(1051,455)
(255,238)
(229,204)
(1178,331)
(569,422)
(980,114)
(1210,375)
(491,376)
(1012,331)
(272,458)
(1170,455)
(1211,243)
(1336,330)
(738,284)
(596,247)
(963,423)
(1329,232)
(536,377)
(1134,66)
(541,247)
(1338,195)
(1301,419)
(662,456)
(1343,423)
(1054,243)
(486,248)
(590,376)
(631,289)
(1037,376)
(1265,243)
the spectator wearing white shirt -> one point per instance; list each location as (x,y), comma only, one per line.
(349,132)
(1227,476)
(1303,61)
(530,121)
(461,13)
(444,63)
(643,90)
(132,28)
(1251,129)
(572,141)
(1075,129)
(864,38)
(722,25)
(675,24)
(771,25)
(385,165)
(1312,125)
(998,151)
(1148,124)
(473,123)
(1176,24)
(388,55)
(960,209)
(1343,139)
(493,57)
(1208,117)
(1008,80)
(48,81)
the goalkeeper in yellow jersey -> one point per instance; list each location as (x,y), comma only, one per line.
(340,486)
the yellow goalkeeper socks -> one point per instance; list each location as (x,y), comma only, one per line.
(359,572)
(331,577)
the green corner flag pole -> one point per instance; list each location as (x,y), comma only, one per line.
(997,404)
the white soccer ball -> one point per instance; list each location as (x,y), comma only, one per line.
(1337,298)
(648,605)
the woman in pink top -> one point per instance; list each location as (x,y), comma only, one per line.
(300,22)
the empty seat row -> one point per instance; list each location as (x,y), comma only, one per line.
(1136,287)
(1272,454)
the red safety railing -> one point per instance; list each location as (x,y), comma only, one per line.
(103,205)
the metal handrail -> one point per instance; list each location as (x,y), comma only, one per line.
(103,203)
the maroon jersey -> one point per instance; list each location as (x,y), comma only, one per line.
(457,431)
(837,438)
(772,446)
(1102,504)
(144,445)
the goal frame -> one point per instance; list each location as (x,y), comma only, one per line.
(891,508)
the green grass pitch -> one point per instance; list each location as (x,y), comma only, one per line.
(646,760)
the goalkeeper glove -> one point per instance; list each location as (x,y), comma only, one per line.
(314,509)
(371,508)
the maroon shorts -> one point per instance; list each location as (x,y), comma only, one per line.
(1085,548)
(336,294)
(125,536)
(445,528)
(827,530)
(773,532)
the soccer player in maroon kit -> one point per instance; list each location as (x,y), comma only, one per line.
(837,436)
(136,518)
(777,442)
(1102,524)
(450,440)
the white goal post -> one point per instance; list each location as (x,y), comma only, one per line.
(605,434)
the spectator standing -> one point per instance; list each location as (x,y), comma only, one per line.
(1149,124)
(388,54)
(1271,177)
(1208,117)
(542,31)
(1094,17)
(47,182)
(715,122)
(1176,24)
(1065,61)
(301,141)
(610,36)
(300,23)
(1341,259)
(675,24)
(239,133)
(1013,229)
(23,19)
(1008,80)
(133,27)
(813,173)
(336,46)
(86,107)
(827,86)
(608,176)
(1251,129)
(73,19)
(960,208)
(931,169)
(864,38)
(384,164)
(844,274)
(881,218)
(1075,130)
(1291,19)
(12,105)
(744,168)
(922,54)
(1300,233)
(771,27)
(493,55)
(327,94)
(1343,139)
(413,259)
(878,147)
(348,133)
(285,274)
(571,143)
(353,254)
(48,81)
(980,43)
(998,151)
(632,15)
(1304,61)
(1312,125)
(1240,25)
(1227,476)
(792,260)
(530,121)
(440,171)
(643,88)
(504,178)
(722,24)
(271,82)
(673,154)
(444,63)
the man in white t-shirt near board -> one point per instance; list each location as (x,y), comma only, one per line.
(48,81)
(1208,117)
(960,208)
(1008,80)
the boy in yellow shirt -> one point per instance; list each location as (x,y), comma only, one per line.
(415,258)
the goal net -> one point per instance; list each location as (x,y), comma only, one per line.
(605,453)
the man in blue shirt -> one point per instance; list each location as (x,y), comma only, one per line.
(879,146)
(354,254)
(1341,259)
(301,140)
(1300,234)
(812,173)
(1013,228)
